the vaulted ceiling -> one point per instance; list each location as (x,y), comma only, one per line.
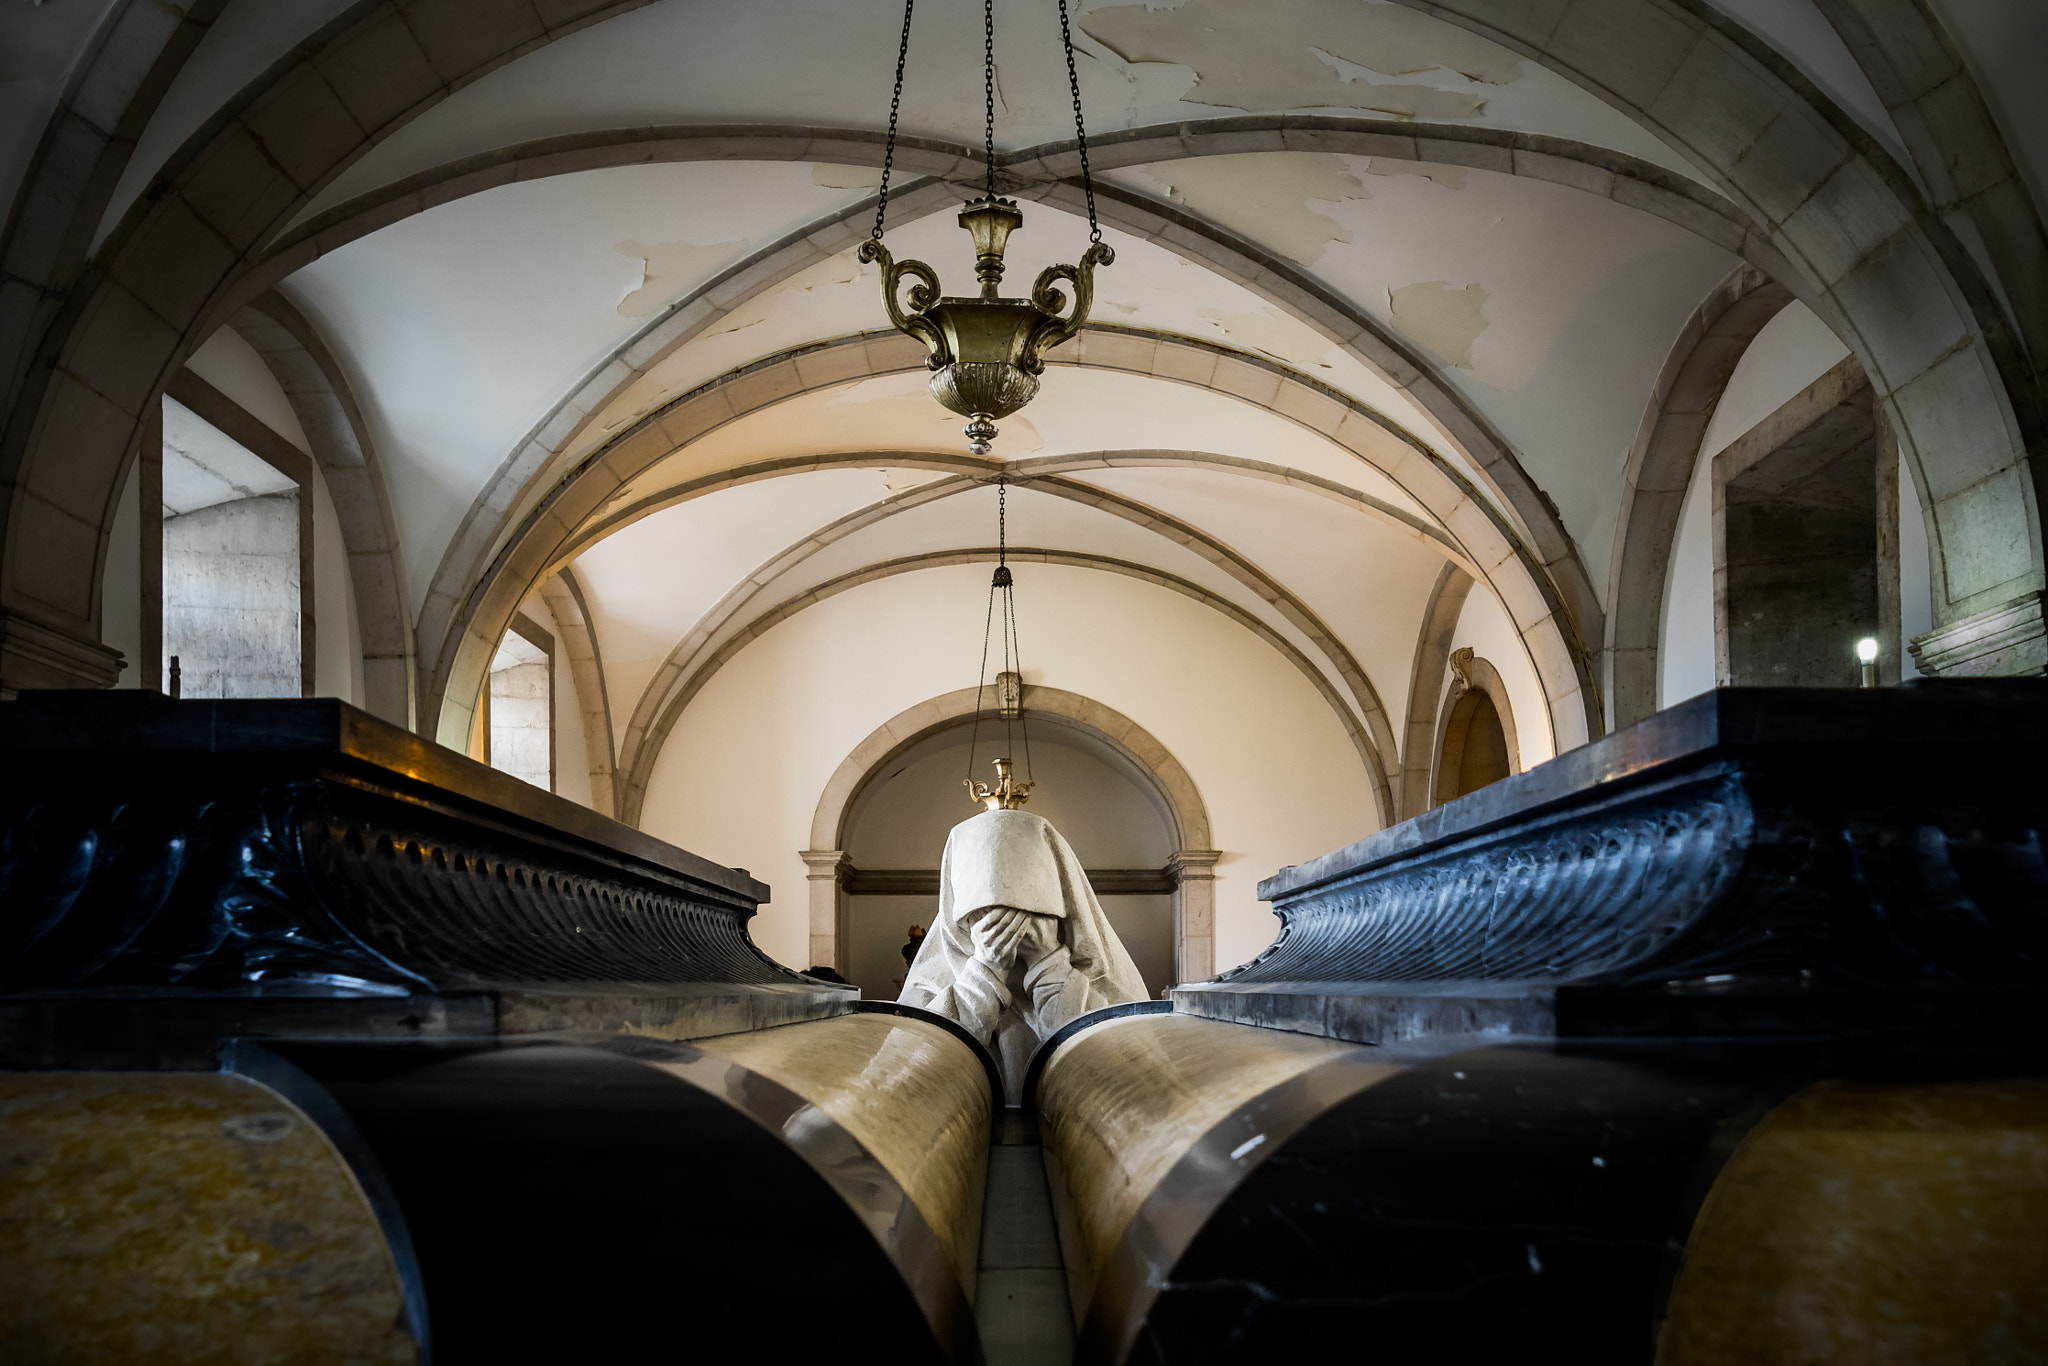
(1387,296)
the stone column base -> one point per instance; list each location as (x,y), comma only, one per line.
(2006,641)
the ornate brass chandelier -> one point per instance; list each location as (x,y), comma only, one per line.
(987,352)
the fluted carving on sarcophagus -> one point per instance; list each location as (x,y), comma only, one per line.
(1815,854)
(320,887)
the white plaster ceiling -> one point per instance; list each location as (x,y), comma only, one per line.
(464,325)
(649,583)
(1078,411)
(829,63)
(1148,286)
(1799,31)
(205,467)
(1552,310)
(1547,310)
(1368,582)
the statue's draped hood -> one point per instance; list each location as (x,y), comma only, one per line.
(1016,858)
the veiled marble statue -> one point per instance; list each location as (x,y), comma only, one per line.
(1021,945)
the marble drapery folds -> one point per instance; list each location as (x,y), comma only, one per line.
(1021,945)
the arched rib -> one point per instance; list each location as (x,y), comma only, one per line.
(634,789)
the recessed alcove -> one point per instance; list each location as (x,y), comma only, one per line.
(1106,806)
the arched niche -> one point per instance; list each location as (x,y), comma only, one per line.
(1092,734)
(1475,743)
(1112,812)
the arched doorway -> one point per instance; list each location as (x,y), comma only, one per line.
(897,827)
(1475,747)
(1095,759)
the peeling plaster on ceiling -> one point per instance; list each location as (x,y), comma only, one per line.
(1272,190)
(1368,581)
(1441,320)
(1584,298)
(239,45)
(1450,177)
(1148,286)
(1077,412)
(670,268)
(898,481)
(1277,56)
(461,327)
(845,177)
(650,582)
(671,63)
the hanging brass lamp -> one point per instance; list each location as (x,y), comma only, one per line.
(986,351)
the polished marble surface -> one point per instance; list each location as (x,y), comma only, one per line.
(181,1217)
(913,1095)
(1882,1223)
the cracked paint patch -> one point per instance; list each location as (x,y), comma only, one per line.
(1268,332)
(667,268)
(840,270)
(834,177)
(1449,177)
(1440,319)
(1308,54)
(1266,196)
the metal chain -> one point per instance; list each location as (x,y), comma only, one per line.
(1002,520)
(988,86)
(1080,132)
(895,105)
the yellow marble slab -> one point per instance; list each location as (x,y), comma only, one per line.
(1120,1103)
(912,1094)
(1875,1224)
(181,1218)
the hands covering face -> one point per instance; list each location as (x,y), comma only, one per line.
(1007,935)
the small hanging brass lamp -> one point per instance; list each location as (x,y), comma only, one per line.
(1009,792)
(986,352)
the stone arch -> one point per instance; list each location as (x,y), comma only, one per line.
(98,339)
(633,789)
(1960,393)
(1955,384)
(1476,677)
(1426,686)
(1039,173)
(565,600)
(1193,865)
(677,671)
(1660,466)
(1483,535)
(64,193)
(318,390)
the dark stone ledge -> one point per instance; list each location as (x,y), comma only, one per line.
(177,873)
(1782,862)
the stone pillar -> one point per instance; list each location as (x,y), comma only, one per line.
(825,866)
(1194,914)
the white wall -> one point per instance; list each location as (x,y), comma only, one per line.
(1792,351)
(741,774)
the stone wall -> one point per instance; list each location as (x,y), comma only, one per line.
(231,597)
